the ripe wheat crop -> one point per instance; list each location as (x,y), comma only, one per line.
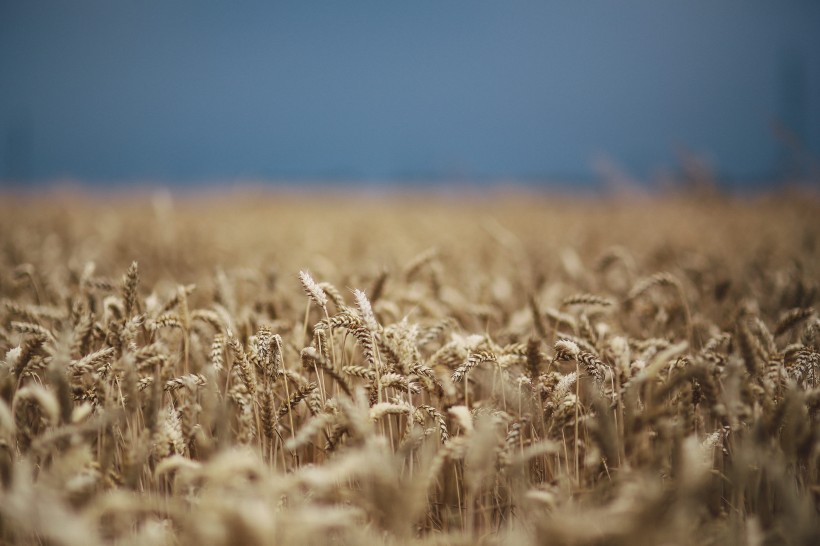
(322,369)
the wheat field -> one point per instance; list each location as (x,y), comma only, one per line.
(328,369)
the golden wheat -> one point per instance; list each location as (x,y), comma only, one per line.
(520,372)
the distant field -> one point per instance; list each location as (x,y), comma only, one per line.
(315,369)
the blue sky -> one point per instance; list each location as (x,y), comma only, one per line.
(184,92)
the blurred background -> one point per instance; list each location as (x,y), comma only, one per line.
(557,94)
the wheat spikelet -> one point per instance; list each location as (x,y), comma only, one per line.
(750,348)
(210,317)
(218,352)
(333,293)
(658,279)
(586,300)
(343,319)
(398,381)
(364,338)
(534,358)
(81,333)
(152,362)
(365,311)
(99,284)
(473,360)
(564,385)
(27,351)
(436,415)
(31,329)
(360,371)
(310,355)
(129,289)
(182,292)
(792,318)
(169,440)
(715,342)
(167,320)
(25,312)
(190,381)
(378,286)
(267,413)
(295,398)
(430,334)
(593,366)
(241,363)
(811,334)
(91,361)
(566,350)
(381,409)
(313,290)
(419,261)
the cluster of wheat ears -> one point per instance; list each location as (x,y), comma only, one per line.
(309,371)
